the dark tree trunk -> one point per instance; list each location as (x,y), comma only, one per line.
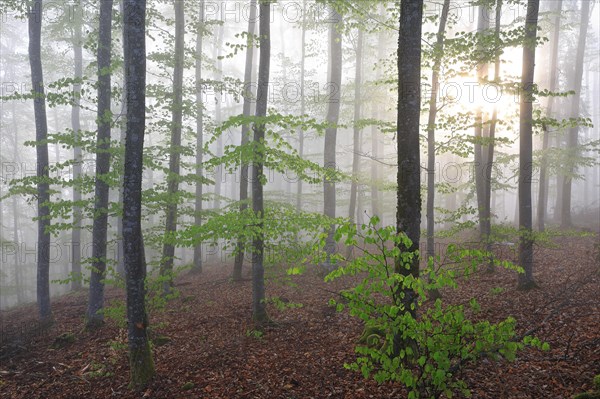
(166,267)
(572,138)
(259,311)
(543,187)
(302,103)
(248,98)
(140,356)
(41,134)
(76,126)
(333,115)
(435,77)
(526,280)
(199,138)
(408,212)
(122,133)
(94,316)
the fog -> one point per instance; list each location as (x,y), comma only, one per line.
(459,92)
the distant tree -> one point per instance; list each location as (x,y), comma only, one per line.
(76,126)
(168,255)
(140,355)
(526,280)
(543,187)
(334,86)
(573,136)
(199,137)
(356,137)
(259,311)
(35,19)
(302,102)
(95,316)
(433,109)
(247,107)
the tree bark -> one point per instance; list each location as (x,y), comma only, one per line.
(333,115)
(218,116)
(435,77)
(199,138)
(140,355)
(249,96)
(357,129)
(488,157)
(408,212)
(168,255)
(35,18)
(259,310)
(543,187)
(526,280)
(94,316)
(302,103)
(76,126)
(483,25)
(572,138)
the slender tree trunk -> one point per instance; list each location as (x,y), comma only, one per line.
(357,129)
(488,157)
(168,255)
(333,115)
(259,311)
(140,355)
(435,77)
(408,211)
(572,138)
(18,276)
(94,316)
(483,25)
(375,138)
(41,134)
(526,280)
(122,133)
(249,96)
(543,187)
(302,103)
(199,138)
(218,116)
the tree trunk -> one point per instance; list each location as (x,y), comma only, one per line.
(572,138)
(122,133)
(168,255)
(199,138)
(41,134)
(357,129)
(408,212)
(302,103)
(543,187)
(218,116)
(18,277)
(438,54)
(249,95)
(526,280)
(94,316)
(140,356)
(76,126)
(488,157)
(259,311)
(483,24)
(333,115)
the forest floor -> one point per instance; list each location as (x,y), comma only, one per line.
(213,350)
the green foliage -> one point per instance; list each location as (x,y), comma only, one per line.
(257,334)
(422,350)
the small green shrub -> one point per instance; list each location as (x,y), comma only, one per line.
(422,350)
